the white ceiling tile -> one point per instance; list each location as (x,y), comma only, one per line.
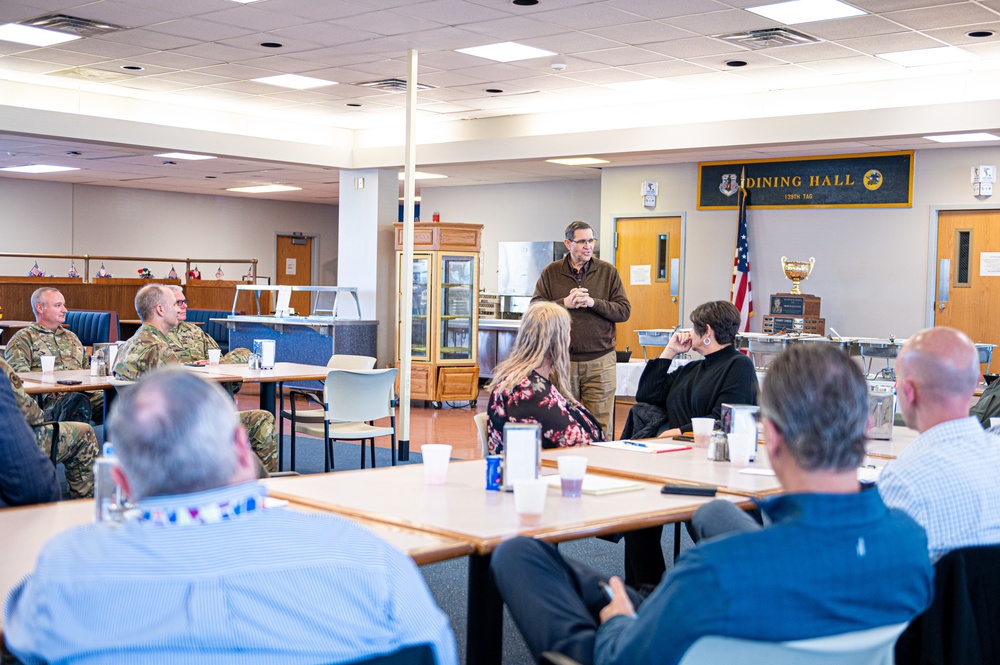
(106,49)
(693,47)
(571,42)
(386,23)
(62,57)
(658,9)
(126,14)
(882,6)
(515,28)
(116,67)
(903,41)
(193,78)
(724,22)
(947,16)
(959,36)
(585,17)
(857,64)
(451,12)
(217,52)
(318,11)
(605,76)
(666,68)
(20,64)
(323,34)
(645,32)
(856,26)
(811,52)
(253,17)
(193,28)
(149,83)
(495,72)
(150,40)
(237,72)
(626,55)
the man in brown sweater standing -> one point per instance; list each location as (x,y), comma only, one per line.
(593,293)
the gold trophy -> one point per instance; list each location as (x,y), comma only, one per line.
(797,271)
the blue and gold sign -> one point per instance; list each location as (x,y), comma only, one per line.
(875,180)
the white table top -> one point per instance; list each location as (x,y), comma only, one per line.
(464,510)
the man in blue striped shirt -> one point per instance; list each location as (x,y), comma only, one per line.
(206,573)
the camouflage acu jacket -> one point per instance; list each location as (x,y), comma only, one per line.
(190,343)
(25,402)
(148,348)
(26,347)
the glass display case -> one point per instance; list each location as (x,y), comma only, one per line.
(444,279)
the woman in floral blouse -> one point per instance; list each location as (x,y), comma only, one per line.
(530,386)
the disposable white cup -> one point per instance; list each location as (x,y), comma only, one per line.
(741,447)
(48,363)
(994,422)
(529,500)
(436,456)
(214,355)
(702,431)
(572,468)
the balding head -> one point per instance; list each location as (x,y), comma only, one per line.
(942,365)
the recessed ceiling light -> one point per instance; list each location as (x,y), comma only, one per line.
(525,3)
(294,81)
(354,105)
(806,11)
(184,155)
(170,163)
(963,138)
(736,63)
(132,68)
(578,161)
(26,34)
(38,168)
(263,189)
(979,34)
(941,55)
(493,91)
(506,52)
(420,175)
(271,44)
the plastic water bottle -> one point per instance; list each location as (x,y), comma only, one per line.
(108,504)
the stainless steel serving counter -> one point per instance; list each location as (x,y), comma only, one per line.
(496,339)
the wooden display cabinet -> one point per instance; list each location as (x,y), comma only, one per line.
(444,278)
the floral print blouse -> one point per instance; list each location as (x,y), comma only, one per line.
(536,400)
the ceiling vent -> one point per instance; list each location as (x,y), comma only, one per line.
(756,40)
(73,25)
(88,74)
(393,85)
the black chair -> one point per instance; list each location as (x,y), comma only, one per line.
(420,654)
(963,623)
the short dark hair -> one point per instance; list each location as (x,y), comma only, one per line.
(817,398)
(722,315)
(576,226)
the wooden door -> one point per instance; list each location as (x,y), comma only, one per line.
(294,267)
(968,274)
(648,259)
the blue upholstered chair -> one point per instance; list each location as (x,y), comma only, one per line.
(94,326)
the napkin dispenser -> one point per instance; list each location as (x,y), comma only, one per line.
(881,412)
(264,349)
(522,453)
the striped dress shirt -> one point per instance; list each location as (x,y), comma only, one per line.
(268,586)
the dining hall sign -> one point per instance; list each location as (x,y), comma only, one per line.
(873,180)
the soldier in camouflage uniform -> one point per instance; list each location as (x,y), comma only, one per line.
(77,446)
(191,344)
(151,347)
(47,337)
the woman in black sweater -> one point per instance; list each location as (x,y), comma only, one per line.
(666,403)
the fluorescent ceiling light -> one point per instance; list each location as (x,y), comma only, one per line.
(506,52)
(941,55)
(806,11)
(38,168)
(294,81)
(578,161)
(263,189)
(26,34)
(184,155)
(963,138)
(420,175)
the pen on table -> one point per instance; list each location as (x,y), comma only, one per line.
(634,443)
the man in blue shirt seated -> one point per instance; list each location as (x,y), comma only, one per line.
(26,474)
(834,560)
(206,573)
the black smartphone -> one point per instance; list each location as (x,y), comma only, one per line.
(693,490)
(69,382)
(684,437)
(193,364)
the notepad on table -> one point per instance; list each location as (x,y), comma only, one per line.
(593,484)
(641,446)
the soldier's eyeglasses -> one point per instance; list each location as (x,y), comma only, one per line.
(182,302)
(585,241)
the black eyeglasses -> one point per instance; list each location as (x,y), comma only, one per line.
(584,241)
(182,302)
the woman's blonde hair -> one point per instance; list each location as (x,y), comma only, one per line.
(544,335)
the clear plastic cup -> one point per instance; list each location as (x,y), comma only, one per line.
(702,431)
(214,356)
(48,363)
(572,468)
(529,500)
(741,448)
(436,457)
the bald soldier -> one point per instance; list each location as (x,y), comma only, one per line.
(190,343)
(47,337)
(76,448)
(151,347)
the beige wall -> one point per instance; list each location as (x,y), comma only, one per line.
(64,218)
(871,264)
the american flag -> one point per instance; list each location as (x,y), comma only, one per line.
(741,295)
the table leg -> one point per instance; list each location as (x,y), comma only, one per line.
(484,622)
(281,426)
(267,396)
